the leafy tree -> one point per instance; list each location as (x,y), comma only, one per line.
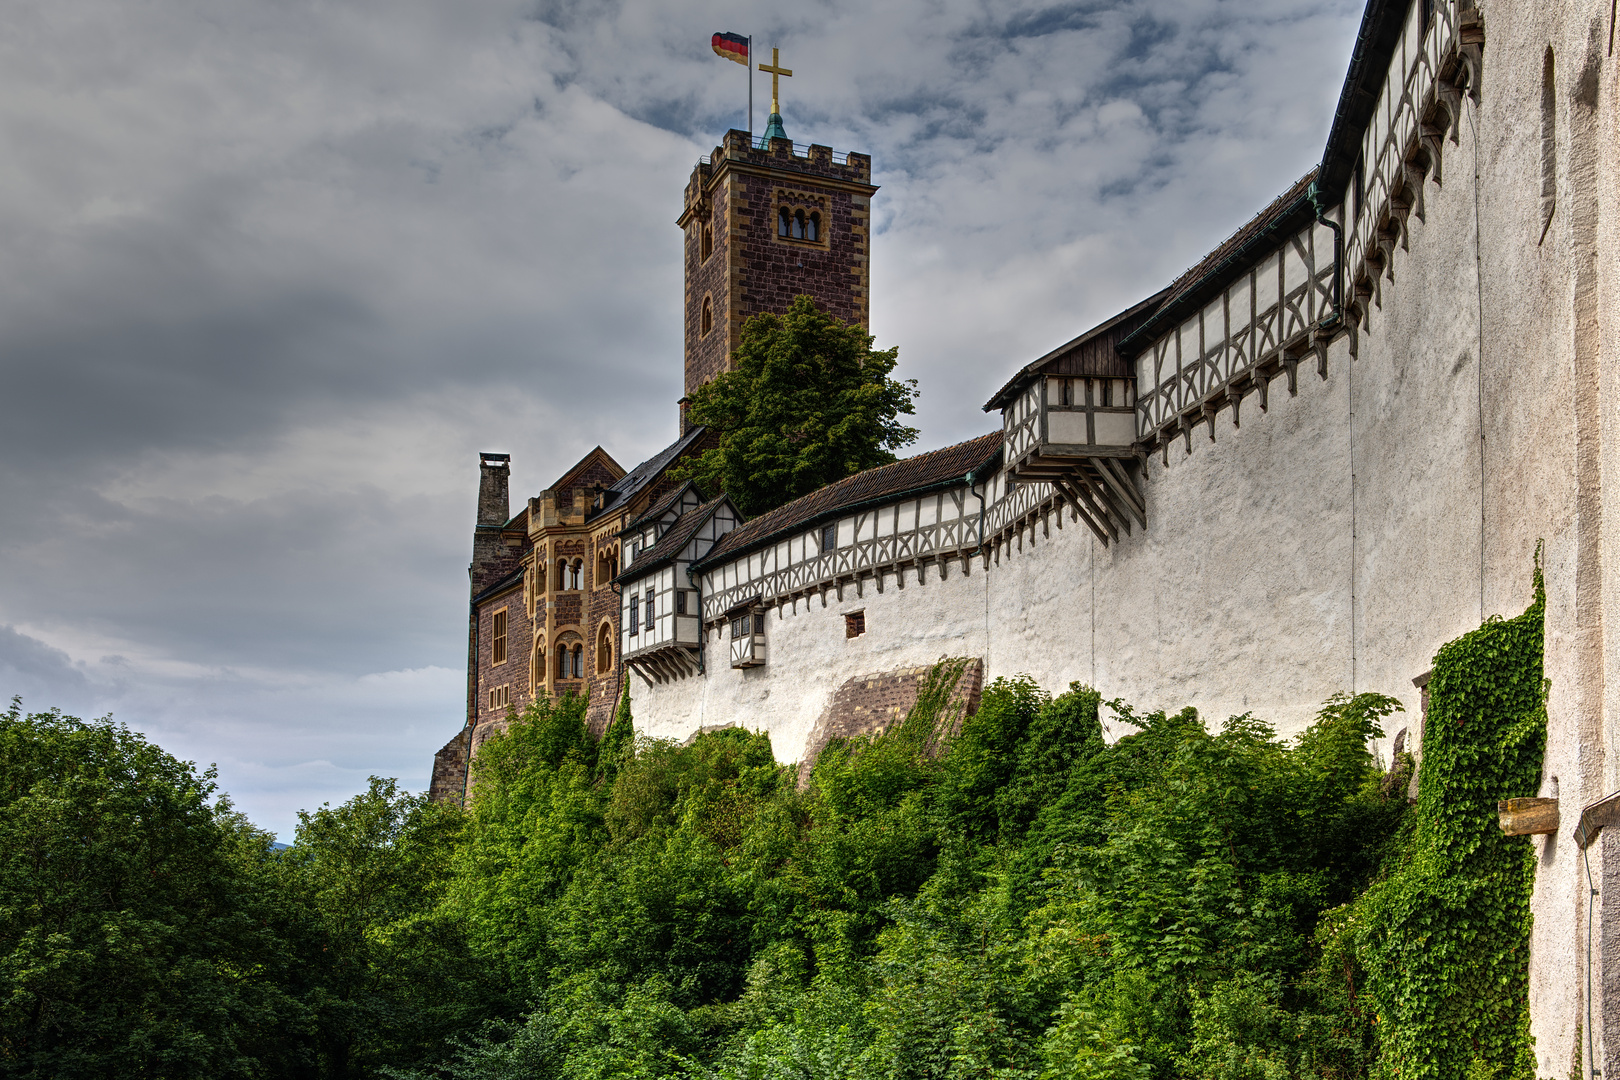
(807,402)
(387,974)
(129,942)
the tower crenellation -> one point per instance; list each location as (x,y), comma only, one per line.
(764,224)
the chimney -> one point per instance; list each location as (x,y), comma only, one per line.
(494,506)
(490,558)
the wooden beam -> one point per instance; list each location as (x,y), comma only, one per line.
(1090,485)
(1083,489)
(1120,481)
(1081,511)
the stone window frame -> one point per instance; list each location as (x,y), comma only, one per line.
(500,623)
(706,316)
(808,203)
(604,647)
(705,242)
(571,642)
(500,696)
(537,664)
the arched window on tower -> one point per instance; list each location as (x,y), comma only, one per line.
(579,661)
(708,241)
(782,219)
(798,225)
(706,323)
(562,661)
(576,579)
(812,227)
(562,574)
(604,649)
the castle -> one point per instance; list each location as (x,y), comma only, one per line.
(1327,449)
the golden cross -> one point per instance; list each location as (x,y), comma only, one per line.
(776,71)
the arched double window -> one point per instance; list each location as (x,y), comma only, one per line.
(571,658)
(706,320)
(604,649)
(797,225)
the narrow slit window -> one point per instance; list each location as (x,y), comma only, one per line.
(680,601)
(650,609)
(1549,145)
(706,322)
(634,611)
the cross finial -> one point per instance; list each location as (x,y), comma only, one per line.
(776,71)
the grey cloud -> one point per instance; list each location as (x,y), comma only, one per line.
(274,273)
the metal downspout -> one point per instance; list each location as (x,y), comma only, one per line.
(1338,258)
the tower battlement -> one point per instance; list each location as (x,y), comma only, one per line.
(764,225)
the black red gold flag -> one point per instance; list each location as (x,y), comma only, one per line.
(733,47)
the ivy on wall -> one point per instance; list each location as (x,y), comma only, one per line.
(1445,938)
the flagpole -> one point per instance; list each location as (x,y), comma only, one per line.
(750,67)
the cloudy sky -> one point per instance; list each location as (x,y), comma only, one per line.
(272,272)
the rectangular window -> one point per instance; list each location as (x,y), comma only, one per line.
(739,627)
(634,609)
(650,609)
(500,697)
(680,601)
(498,645)
(855,624)
(829,537)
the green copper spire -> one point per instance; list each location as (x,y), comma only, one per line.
(773,130)
(773,126)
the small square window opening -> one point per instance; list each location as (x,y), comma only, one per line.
(855,624)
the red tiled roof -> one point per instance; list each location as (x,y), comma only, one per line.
(936,467)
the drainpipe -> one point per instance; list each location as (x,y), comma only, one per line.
(971,482)
(1338,258)
(472,697)
(703,631)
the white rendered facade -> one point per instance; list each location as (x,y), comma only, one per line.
(1332,478)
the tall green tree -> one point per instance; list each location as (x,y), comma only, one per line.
(131,941)
(807,401)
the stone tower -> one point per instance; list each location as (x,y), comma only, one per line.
(763,226)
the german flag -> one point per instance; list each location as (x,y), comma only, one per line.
(732,47)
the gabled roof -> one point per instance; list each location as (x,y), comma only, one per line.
(671,544)
(1029,371)
(595,454)
(936,469)
(660,508)
(1286,215)
(632,483)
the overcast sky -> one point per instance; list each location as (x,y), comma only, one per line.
(273,272)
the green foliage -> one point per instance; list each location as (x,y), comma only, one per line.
(129,942)
(1445,938)
(1005,894)
(806,401)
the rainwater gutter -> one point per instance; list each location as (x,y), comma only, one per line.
(1337,315)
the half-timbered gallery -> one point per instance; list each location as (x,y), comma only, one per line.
(1330,447)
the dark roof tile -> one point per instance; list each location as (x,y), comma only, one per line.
(674,539)
(932,469)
